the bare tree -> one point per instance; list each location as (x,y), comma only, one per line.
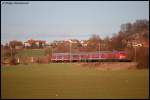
(93,43)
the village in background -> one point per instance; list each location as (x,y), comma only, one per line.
(132,37)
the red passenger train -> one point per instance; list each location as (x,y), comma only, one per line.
(90,56)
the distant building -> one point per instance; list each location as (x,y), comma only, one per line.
(137,43)
(18,47)
(27,44)
(146,44)
(72,41)
(57,42)
(83,43)
(35,43)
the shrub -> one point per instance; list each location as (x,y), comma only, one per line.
(143,58)
(48,51)
(43,60)
(13,61)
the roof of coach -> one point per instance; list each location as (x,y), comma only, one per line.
(67,53)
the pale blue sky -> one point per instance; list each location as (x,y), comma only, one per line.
(51,20)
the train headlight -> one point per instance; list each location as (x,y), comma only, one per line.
(122,56)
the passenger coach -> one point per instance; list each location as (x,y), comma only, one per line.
(90,56)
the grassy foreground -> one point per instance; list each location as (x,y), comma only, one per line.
(72,81)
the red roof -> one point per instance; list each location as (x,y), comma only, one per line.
(34,41)
(146,44)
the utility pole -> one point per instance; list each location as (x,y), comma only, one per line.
(99,51)
(52,50)
(11,50)
(135,46)
(135,53)
(70,52)
(99,47)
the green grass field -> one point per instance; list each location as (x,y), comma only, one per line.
(31,52)
(72,81)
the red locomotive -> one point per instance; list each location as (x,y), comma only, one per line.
(90,56)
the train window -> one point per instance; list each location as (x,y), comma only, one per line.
(75,56)
(102,55)
(83,56)
(66,56)
(110,55)
(59,57)
(53,56)
(95,56)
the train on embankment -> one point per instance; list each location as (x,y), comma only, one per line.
(102,56)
